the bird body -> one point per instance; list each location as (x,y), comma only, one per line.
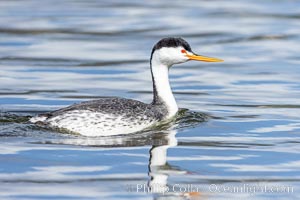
(114,116)
(105,117)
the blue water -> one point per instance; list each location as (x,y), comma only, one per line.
(240,138)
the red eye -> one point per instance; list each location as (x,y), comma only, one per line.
(183,51)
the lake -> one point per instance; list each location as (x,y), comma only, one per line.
(238,136)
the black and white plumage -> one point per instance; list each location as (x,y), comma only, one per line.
(113,116)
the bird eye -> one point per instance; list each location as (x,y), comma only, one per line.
(183,51)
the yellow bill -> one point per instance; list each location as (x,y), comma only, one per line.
(203,58)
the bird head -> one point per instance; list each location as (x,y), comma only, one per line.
(170,51)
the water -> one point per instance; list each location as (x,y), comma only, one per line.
(239,139)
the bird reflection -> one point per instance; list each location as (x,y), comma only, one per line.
(160,169)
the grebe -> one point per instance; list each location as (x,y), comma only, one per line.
(114,116)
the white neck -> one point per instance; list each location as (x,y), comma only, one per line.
(161,86)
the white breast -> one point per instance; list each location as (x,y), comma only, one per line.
(90,123)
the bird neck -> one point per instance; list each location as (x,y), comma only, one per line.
(162,93)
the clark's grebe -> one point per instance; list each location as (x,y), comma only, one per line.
(113,116)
